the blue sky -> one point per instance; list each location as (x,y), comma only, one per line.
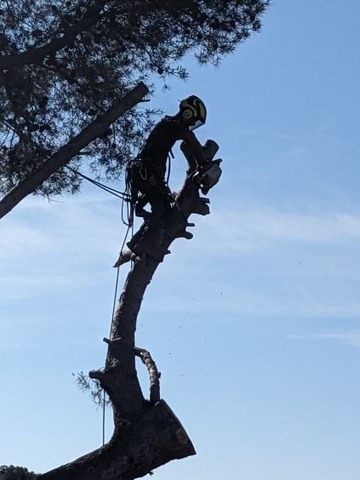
(255,323)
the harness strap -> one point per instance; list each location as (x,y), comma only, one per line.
(143,173)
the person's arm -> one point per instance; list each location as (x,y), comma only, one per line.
(195,147)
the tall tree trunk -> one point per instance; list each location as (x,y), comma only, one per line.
(147,433)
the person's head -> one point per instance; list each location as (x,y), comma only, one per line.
(192,112)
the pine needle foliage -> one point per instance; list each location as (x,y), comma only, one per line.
(9,472)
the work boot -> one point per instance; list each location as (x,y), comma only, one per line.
(136,238)
(141,212)
(148,241)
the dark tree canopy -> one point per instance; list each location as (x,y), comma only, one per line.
(16,473)
(62,63)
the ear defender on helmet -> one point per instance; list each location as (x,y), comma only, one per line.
(193,112)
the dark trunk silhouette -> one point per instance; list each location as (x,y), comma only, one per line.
(147,433)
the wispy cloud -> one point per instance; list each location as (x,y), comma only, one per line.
(351,338)
(244,231)
(44,247)
(263,133)
(72,245)
(277,297)
(87,223)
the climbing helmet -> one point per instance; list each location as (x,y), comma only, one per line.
(193,112)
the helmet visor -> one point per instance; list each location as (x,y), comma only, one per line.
(197,124)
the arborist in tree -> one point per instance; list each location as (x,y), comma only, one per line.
(146,174)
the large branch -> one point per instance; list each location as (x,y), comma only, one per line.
(66,153)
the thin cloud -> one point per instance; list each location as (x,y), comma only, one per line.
(73,245)
(262,133)
(261,296)
(253,230)
(87,224)
(47,247)
(348,338)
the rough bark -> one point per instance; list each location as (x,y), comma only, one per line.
(147,434)
(155,438)
(66,153)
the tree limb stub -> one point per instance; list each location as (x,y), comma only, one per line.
(153,373)
(66,153)
(124,257)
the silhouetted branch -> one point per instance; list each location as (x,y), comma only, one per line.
(153,373)
(66,153)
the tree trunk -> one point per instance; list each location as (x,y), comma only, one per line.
(66,153)
(147,434)
(155,438)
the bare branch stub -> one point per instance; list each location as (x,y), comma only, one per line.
(97,375)
(154,374)
(124,257)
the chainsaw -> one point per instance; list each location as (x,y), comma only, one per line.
(209,173)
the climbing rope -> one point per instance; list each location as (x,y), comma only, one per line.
(104,418)
(113,191)
(127,214)
(117,274)
(124,196)
(112,316)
